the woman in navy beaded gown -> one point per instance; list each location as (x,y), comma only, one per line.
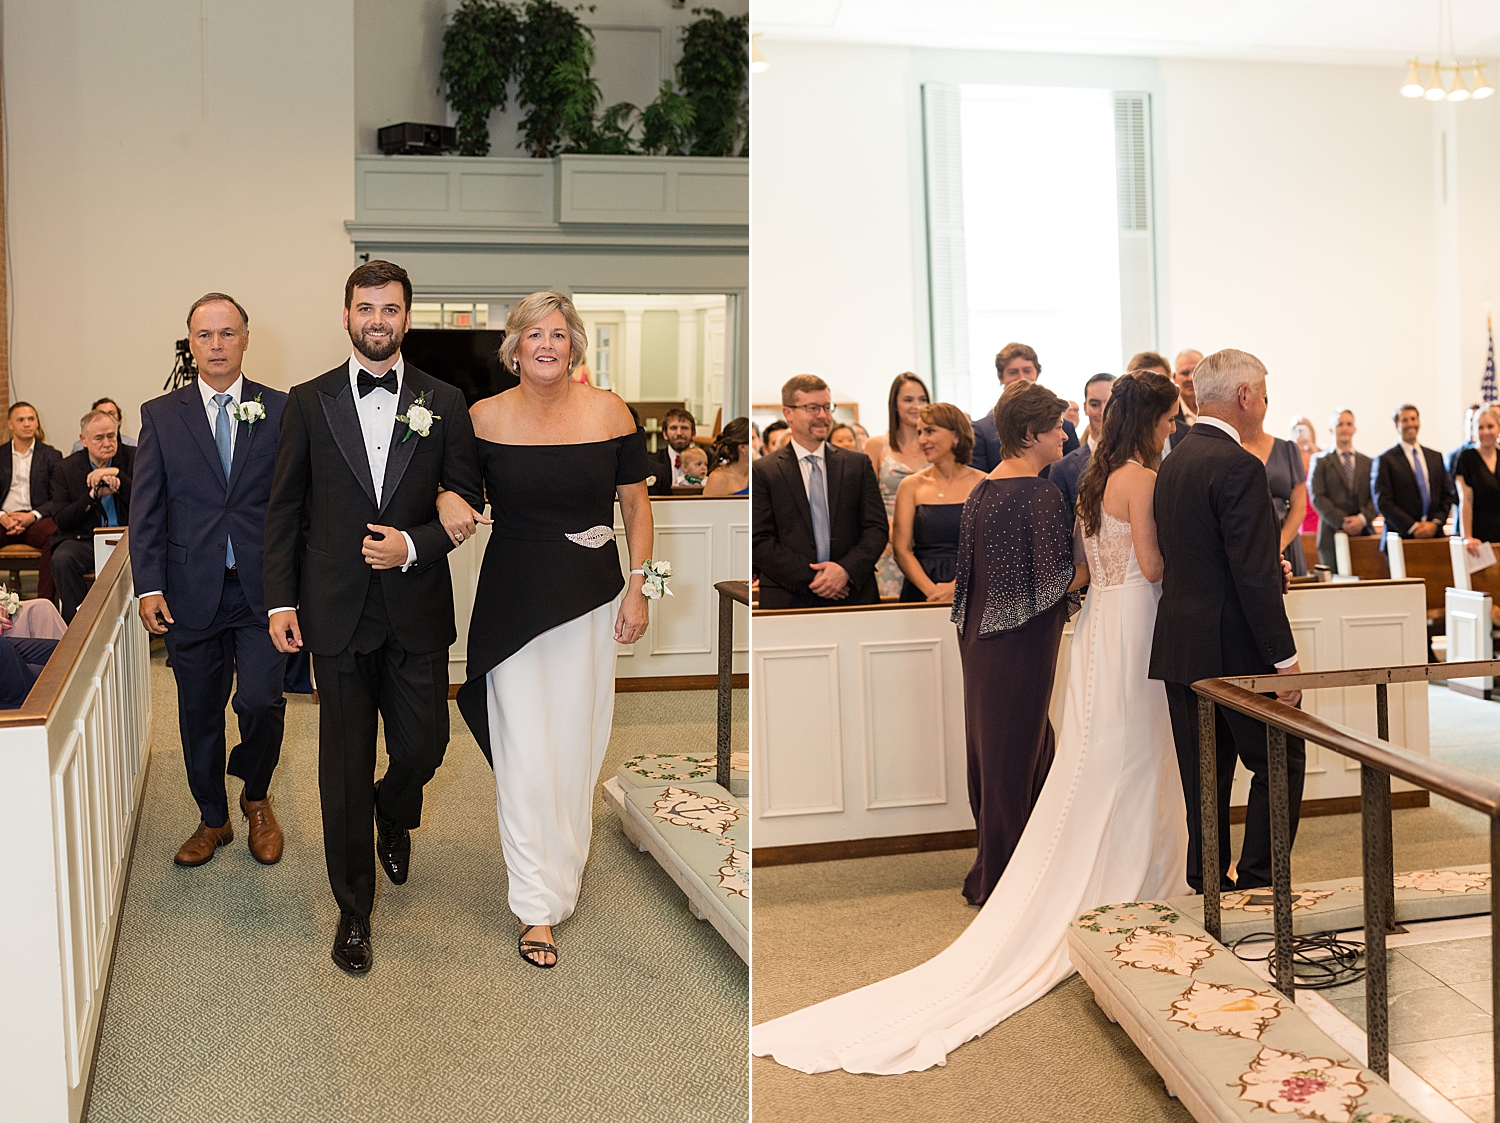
(549,610)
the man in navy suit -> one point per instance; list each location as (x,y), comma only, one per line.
(1410,483)
(197,526)
(1068,471)
(1014,362)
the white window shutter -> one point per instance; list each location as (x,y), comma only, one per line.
(947,277)
(1137,236)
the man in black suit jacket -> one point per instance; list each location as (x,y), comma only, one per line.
(357,569)
(678,429)
(27,468)
(1014,362)
(197,523)
(1410,483)
(92,488)
(819,520)
(1339,489)
(1221,610)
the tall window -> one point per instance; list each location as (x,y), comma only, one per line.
(1032,195)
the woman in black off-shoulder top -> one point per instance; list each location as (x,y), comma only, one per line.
(540,690)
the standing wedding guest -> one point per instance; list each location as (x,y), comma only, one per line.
(925,531)
(1410,484)
(1150,360)
(757,446)
(1300,433)
(1288,482)
(895,456)
(1339,489)
(1071,414)
(818,523)
(1478,487)
(1471,439)
(539,695)
(1187,363)
(776,435)
(678,430)
(1015,568)
(27,468)
(861,436)
(356,569)
(1015,362)
(843,436)
(91,488)
(729,460)
(1219,542)
(197,529)
(1069,470)
(109,406)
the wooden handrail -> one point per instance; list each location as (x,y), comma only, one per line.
(54,677)
(1368,676)
(1444,779)
(734,590)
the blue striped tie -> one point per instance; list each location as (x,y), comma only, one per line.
(817,500)
(221,439)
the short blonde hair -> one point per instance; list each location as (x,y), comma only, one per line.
(533,310)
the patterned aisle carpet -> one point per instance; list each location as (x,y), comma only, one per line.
(224,1002)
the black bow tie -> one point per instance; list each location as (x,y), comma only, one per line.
(368,382)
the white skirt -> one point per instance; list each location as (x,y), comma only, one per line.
(551,706)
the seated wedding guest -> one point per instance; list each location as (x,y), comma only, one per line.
(21,660)
(776,435)
(678,429)
(34,619)
(730,460)
(1288,489)
(27,467)
(895,456)
(91,488)
(1015,569)
(1471,415)
(694,464)
(1478,489)
(1069,470)
(1300,433)
(843,436)
(1015,362)
(924,532)
(818,523)
(1338,488)
(1410,484)
(108,406)
(861,436)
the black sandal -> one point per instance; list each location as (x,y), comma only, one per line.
(528,948)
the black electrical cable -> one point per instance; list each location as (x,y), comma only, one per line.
(1320,960)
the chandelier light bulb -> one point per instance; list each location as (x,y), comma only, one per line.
(1435,91)
(1460,90)
(758,63)
(1482,87)
(1413,86)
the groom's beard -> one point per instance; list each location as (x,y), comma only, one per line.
(376,348)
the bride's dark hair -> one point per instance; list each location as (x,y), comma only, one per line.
(1135,407)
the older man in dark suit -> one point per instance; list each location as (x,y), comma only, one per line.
(1339,489)
(91,488)
(819,522)
(1014,362)
(197,528)
(1410,483)
(27,468)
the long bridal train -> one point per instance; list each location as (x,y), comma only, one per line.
(1109,826)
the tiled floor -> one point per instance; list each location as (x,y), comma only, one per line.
(1439,999)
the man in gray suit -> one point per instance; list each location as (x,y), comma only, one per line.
(1339,488)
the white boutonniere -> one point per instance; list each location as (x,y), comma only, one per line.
(9,601)
(250,412)
(418,418)
(656,574)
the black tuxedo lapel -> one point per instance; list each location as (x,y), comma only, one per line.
(835,486)
(343,423)
(791,471)
(190,403)
(403,446)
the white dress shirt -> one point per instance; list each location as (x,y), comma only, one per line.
(377,422)
(211,408)
(803,455)
(19,497)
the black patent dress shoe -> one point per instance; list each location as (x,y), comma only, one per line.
(351,944)
(392,845)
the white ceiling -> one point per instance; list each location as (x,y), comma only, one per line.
(1341,31)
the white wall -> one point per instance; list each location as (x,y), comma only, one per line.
(1320,184)
(831,219)
(159,151)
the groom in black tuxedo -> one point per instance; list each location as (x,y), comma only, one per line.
(1221,610)
(356,567)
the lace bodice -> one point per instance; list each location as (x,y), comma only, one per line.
(1111,552)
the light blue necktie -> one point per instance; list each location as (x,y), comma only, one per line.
(221,439)
(817,499)
(1416,465)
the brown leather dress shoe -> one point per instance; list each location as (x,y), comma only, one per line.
(265,832)
(206,839)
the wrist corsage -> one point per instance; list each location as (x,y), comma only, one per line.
(656,574)
(418,418)
(250,412)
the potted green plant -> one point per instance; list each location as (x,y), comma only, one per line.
(481,54)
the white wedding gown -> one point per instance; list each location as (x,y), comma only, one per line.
(1110,826)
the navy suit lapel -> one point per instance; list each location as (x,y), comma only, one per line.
(403,447)
(244,436)
(343,424)
(791,471)
(195,419)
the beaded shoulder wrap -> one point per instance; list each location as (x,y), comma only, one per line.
(1019,530)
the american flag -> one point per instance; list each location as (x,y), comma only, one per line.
(1487,385)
